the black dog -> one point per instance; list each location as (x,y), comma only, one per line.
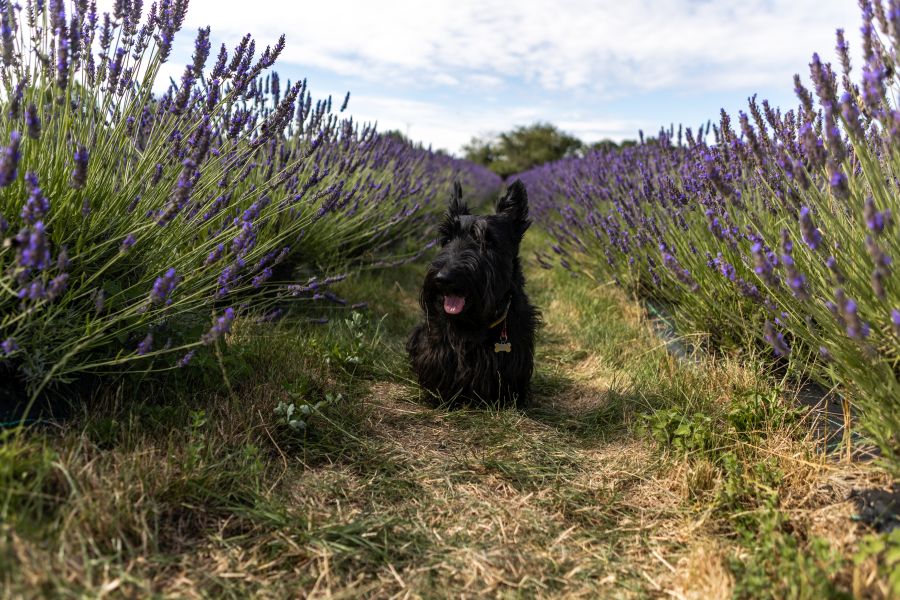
(477,341)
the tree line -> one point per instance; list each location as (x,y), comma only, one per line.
(528,146)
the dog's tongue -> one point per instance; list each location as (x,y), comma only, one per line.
(453,305)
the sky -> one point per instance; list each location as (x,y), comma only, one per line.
(443,71)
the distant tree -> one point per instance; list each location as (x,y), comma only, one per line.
(522,148)
(481,151)
(402,137)
(604,145)
(611,145)
(397,134)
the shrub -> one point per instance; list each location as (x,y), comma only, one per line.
(138,226)
(778,231)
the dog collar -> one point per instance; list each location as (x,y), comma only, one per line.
(503,316)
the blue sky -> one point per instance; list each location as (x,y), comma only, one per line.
(445,70)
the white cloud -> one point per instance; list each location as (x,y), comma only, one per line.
(608,47)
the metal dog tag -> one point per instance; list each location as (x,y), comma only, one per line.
(504,347)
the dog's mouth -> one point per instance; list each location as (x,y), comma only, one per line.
(453,305)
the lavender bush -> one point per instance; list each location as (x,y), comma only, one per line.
(777,228)
(137,226)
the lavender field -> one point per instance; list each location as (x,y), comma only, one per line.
(205,287)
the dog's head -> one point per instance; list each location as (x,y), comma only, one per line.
(470,280)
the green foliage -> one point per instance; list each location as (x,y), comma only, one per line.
(685,433)
(775,565)
(885,549)
(609,145)
(748,417)
(522,148)
(296,416)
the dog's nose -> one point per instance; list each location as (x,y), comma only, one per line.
(443,276)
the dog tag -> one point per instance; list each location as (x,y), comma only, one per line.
(504,347)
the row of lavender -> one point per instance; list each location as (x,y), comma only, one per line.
(135,226)
(775,231)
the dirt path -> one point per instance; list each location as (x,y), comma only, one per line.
(556,499)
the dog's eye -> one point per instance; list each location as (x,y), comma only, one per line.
(448,229)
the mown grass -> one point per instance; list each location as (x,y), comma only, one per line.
(633,473)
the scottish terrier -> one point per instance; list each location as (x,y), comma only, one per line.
(477,342)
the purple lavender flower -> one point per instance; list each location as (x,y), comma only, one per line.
(882,267)
(181,194)
(37,206)
(157,174)
(215,255)
(163,288)
(333,279)
(856,328)
(795,279)
(115,69)
(62,60)
(776,339)
(57,286)
(201,51)
(245,240)
(80,172)
(762,265)
(128,242)
(837,180)
(332,297)
(895,321)
(32,122)
(184,360)
(843,51)
(850,112)
(832,264)
(62,259)
(262,277)
(874,74)
(221,327)
(9,159)
(219,68)
(9,346)
(808,231)
(682,274)
(146,345)
(875,220)
(253,211)
(7,39)
(34,251)
(34,291)
(228,278)
(726,269)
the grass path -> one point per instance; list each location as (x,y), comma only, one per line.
(629,476)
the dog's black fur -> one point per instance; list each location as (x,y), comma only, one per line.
(453,355)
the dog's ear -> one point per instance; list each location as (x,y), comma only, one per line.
(457,206)
(514,206)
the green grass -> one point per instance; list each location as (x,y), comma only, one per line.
(632,474)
